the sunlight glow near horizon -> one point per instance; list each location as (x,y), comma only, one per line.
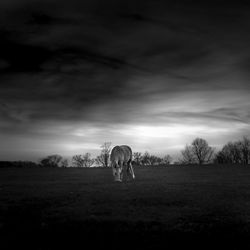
(156,139)
(158,126)
(147,137)
(173,131)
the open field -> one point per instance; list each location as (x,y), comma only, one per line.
(165,207)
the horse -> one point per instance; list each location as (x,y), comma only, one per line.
(121,157)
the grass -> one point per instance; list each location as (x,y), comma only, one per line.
(202,207)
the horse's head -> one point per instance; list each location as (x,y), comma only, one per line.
(117,171)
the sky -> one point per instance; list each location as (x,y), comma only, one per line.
(151,74)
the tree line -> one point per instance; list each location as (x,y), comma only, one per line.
(198,152)
(102,160)
(237,152)
(80,160)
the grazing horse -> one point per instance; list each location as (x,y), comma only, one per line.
(121,156)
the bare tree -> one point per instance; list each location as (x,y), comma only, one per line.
(166,160)
(100,160)
(198,152)
(187,156)
(221,158)
(232,152)
(202,151)
(77,161)
(245,149)
(137,158)
(235,152)
(103,158)
(153,160)
(87,161)
(82,160)
(146,159)
(64,163)
(51,161)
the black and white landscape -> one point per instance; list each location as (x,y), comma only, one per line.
(168,78)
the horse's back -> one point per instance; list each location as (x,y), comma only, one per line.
(116,154)
(121,153)
(127,152)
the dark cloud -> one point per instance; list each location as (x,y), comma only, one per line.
(122,62)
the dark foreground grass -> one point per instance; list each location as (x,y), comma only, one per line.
(164,208)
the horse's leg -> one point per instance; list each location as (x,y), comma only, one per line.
(127,171)
(130,167)
(121,166)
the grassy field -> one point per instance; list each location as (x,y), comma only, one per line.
(165,207)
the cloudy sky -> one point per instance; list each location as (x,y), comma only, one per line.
(151,74)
